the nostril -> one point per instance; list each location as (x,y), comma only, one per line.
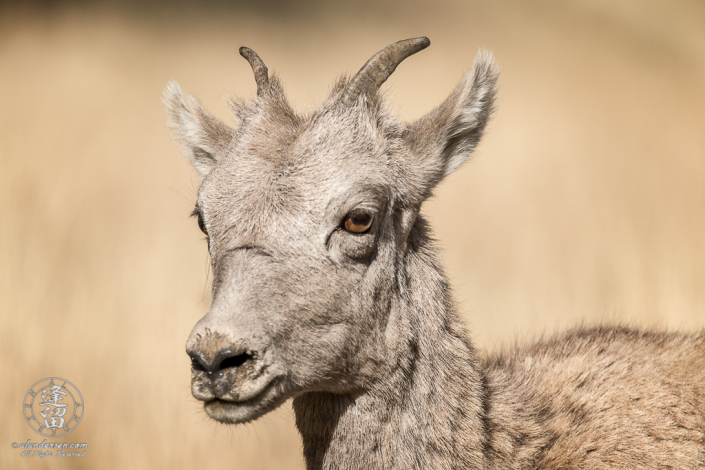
(196,365)
(234,361)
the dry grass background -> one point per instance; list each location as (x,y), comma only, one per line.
(584,204)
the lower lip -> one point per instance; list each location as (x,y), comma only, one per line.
(235,411)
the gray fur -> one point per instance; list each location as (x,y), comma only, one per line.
(360,328)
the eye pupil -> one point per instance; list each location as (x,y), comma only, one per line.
(361,219)
(357,222)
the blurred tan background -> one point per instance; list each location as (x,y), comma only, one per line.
(585,202)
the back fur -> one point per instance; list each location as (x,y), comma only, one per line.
(596,398)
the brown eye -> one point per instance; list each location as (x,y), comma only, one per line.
(357,222)
(201,225)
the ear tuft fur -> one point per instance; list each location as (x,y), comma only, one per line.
(204,138)
(445,138)
(473,110)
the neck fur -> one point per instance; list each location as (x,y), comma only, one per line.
(429,413)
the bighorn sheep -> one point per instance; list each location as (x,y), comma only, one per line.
(327,288)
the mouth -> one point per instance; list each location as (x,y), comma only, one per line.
(243,411)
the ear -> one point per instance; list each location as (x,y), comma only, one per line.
(205,139)
(445,138)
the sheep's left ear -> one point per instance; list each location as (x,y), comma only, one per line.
(204,138)
(444,139)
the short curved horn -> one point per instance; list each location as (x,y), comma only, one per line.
(258,67)
(380,66)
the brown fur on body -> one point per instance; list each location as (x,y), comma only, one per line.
(600,397)
(360,327)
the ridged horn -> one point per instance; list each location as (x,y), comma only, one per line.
(380,66)
(258,67)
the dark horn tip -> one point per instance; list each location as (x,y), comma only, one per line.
(417,44)
(250,55)
(424,41)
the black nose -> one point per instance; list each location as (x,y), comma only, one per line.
(224,359)
(210,357)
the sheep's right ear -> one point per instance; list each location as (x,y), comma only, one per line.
(204,138)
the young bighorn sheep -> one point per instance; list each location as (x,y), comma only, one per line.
(327,288)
